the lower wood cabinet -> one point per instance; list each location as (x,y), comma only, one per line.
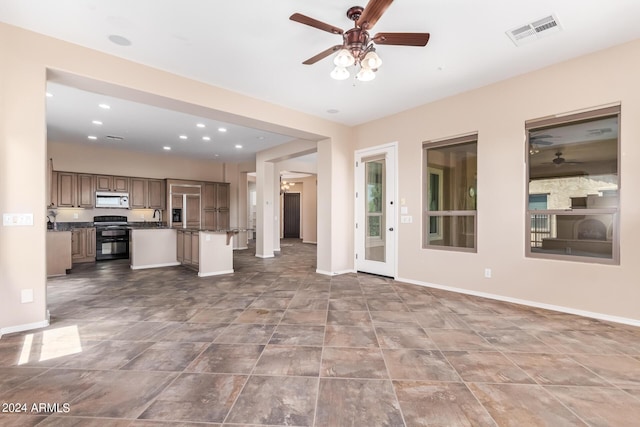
(83,245)
(188,248)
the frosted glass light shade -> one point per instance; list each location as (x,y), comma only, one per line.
(339,73)
(344,59)
(366,75)
(371,60)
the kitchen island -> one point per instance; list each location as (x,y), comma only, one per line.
(209,252)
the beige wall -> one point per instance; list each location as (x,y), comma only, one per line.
(27,59)
(498,113)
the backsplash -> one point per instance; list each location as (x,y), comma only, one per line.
(86,215)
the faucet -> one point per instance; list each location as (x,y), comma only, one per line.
(159,215)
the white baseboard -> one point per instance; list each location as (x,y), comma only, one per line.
(265,256)
(334,273)
(25,327)
(241,248)
(309,242)
(142,267)
(559,308)
(216,273)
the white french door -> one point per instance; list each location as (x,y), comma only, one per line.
(376,210)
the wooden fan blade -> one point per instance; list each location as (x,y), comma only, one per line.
(315,23)
(322,55)
(402,39)
(372,12)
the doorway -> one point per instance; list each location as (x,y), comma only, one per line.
(376,210)
(291,215)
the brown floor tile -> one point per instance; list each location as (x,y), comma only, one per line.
(404,337)
(523,405)
(508,340)
(556,369)
(599,406)
(380,304)
(260,316)
(440,404)
(106,355)
(354,402)
(119,394)
(304,317)
(270,302)
(489,367)
(349,336)
(349,318)
(14,376)
(298,335)
(227,359)
(195,332)
(308,303)
(211,315)
(289,360)
(440,320)
(617,369)
(393,318)
(353,363)
(20,420)
(457,339)
(246,334)
(166,356)
(197,397)
(66,421)
(407,364)
(276,401)
(348,304)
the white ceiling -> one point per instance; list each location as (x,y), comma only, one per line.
(251,47)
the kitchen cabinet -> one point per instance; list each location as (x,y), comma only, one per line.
(118,184)
(216,201)
(75,190)
(146,193)
(83,245)
(58,252)
(188,248)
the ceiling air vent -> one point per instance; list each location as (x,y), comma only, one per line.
(115,138)
(534,30)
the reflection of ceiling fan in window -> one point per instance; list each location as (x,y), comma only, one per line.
(559,160)
(535,141)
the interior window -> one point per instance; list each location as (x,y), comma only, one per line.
(573,184)
(450,179)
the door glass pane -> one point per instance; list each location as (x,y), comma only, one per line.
(375,210)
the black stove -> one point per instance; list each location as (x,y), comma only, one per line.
(112,237)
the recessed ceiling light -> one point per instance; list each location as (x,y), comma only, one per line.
(238,146)
(333,111)
(104,106)
(222,129)
(206,138)
(183,136)
(119,40)
(49,95)
(92,137)
(261,137)
(97,122)
(200,125)
(166,148)
(217,155)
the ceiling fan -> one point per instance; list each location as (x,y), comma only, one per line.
(357,46)
(559,160)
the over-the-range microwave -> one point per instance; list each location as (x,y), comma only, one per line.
(107,199)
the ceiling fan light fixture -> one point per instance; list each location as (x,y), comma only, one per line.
(344,59)
(340,73)
(371,60)
(365,74)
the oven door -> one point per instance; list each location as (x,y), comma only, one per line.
(112,244)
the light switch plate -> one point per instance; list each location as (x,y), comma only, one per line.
(404,210)
(26,296)
(16,219)
(406,219)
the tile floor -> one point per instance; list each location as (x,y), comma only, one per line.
(277,344)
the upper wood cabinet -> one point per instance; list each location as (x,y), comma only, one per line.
(75,190)
(146,193)
(119,184)
(215,205)
(215,195)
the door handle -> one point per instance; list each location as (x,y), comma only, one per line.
(390,228)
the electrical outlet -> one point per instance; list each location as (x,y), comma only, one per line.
(75,216)
(26,296)
(406,219)
(487,273)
